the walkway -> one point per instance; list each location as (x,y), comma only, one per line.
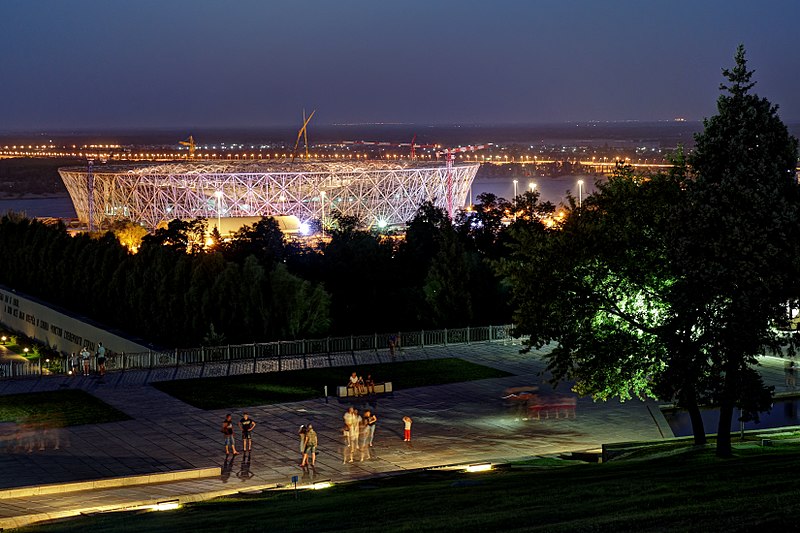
(456,423)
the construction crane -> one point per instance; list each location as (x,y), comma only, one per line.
(190,143)
(303,133)
(449,156)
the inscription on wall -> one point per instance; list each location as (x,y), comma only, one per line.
(11,307)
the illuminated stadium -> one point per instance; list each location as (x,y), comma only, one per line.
(377,193)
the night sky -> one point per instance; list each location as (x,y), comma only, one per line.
(202,63)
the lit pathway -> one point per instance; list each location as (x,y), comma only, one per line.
(456,423)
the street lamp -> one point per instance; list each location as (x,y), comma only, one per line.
(4,339)
(532,185)
(218,194)
(515,193)
(580,194)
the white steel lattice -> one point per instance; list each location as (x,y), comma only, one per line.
(374,192)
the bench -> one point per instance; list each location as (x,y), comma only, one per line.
(343,391)
(552,405)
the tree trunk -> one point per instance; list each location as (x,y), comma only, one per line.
(698,429)
(724,428)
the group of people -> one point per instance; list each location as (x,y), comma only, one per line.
(84,360)
(358,434)
(308,445)
(246,425)
(360,385)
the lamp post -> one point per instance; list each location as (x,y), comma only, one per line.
(218,194)
(580,194)
(532,185)
(4,339)
(515,193)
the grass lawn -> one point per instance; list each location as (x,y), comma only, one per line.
(57,408)
(755,491)
(296,385)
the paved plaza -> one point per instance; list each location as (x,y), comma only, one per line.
(453,424)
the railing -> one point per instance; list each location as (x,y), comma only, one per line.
(279,355)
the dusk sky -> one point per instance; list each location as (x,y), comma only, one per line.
(157,64)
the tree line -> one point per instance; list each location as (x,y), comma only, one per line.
(176,290)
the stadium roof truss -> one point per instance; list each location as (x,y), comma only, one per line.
(377,193)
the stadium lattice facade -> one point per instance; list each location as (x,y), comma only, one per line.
(377,193)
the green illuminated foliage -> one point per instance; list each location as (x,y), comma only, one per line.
(671,285)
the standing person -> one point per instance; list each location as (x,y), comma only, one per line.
(392,344)
(101,359)
(302,434)
(73,364)
(363,437)
(227,431)
(371,421)
(247,425)
(351,420)
(407,432)
(789,373)
(85,355)
(345,443)
(310,447)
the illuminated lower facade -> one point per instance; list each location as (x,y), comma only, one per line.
(377,193)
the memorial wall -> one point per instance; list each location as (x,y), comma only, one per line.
(58,329)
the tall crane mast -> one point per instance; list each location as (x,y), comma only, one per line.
(190,143)
(302,133)
(90,190)
(449,156)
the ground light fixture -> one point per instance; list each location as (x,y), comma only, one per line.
(318,485)
(167,505)
(479,467)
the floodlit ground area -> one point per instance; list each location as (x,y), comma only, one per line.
(455,423)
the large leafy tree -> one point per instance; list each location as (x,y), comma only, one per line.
(671,286)
(738,248)
(598,287)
